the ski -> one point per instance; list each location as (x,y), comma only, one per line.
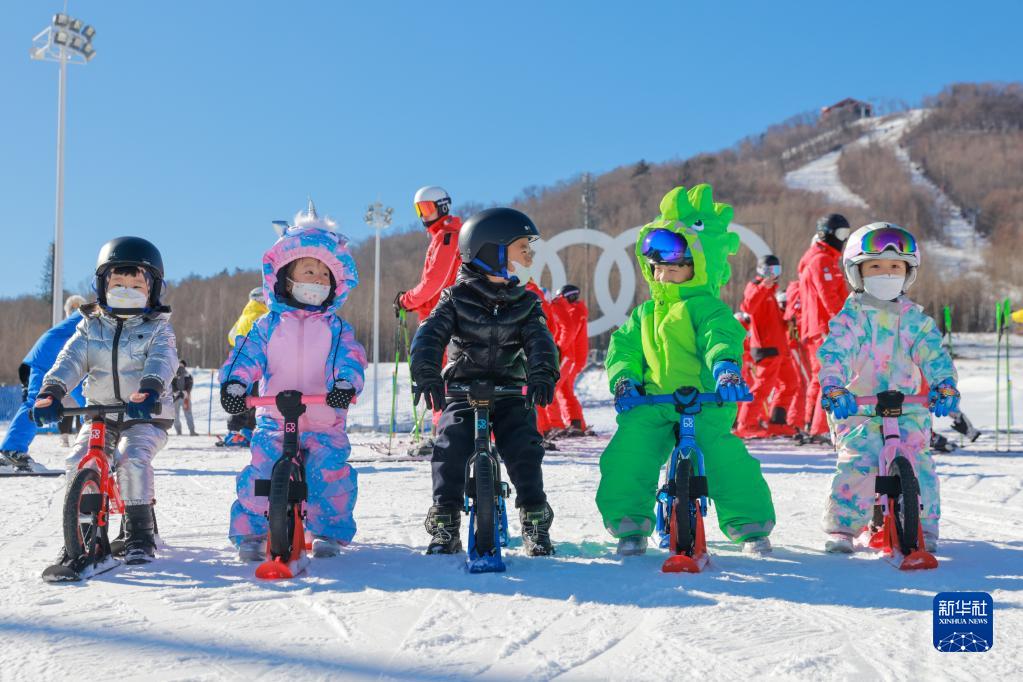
(45,473)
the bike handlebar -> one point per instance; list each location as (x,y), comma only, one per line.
(271,400)
(93,410)
(680,398)
(458,390)
(909,399)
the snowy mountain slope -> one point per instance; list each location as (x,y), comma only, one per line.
(960,244)
(383,610)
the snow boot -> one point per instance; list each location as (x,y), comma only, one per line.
(422,449)
(536,530)
(139,534)
(941,444)
(632,545)
(961,424)
(930,542)
(324,548)
(778,423)
(443,525)
(252,548)
(839,543)
(549,445)
(19,460)
(757,546)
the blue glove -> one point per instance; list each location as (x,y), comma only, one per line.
(838,401)
(626,391)
(944,398)
(50,414)
(144,409)
(730,385)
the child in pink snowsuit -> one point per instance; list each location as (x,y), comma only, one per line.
(301,344)
(880,341)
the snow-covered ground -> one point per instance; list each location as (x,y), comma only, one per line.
(960,243)
(383,610)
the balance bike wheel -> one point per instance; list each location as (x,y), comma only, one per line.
(281,511)
(906,508)
(682,535)
(484,505)
(82,506)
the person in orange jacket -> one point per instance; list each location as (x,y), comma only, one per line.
(788,302)
(573,340)
(748,373)
(822,293)
(547,418)
(775,381)
(433,206)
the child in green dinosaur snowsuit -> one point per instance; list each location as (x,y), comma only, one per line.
(682,336)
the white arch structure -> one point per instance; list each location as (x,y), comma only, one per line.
(616,252)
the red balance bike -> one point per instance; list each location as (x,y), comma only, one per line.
(896,528)
(91,498)
(287,491)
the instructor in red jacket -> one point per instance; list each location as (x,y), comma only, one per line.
(433,206)
(775,381)
(573,340)
(822,292)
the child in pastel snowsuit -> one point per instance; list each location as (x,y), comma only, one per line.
(683,336)
(880,341)
(301,344)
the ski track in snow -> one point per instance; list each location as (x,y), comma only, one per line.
(961,244)
(382,610)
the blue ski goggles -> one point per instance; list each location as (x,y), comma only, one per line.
(665,247)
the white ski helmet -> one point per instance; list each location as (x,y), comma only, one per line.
(886,241)
(432,194)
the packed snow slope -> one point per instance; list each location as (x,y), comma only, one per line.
(382,610)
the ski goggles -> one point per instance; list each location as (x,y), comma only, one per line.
(427,208)
(771,271)
(889,238)
(667,247)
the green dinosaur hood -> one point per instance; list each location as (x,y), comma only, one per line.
(704,224)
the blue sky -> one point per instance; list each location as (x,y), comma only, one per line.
(199,122)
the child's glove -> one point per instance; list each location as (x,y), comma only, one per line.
(433,394)
(232,396)
(944,398)
(838,401)
(49,414)
(626,390)
(144,408)
(730,385)
(340,397)
(540,392)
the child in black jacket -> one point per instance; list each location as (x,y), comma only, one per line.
(497,332)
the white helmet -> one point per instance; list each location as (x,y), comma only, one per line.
(432,194)
(886,241)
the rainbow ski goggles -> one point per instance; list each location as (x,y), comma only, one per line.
(890,238)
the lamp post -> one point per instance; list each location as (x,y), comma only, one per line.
(66,41)
(379,218)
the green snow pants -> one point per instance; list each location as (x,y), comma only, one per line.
(630,471)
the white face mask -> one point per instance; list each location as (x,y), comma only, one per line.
(308,293)
(123,298)
(884,287)
(521,271)
(842,233)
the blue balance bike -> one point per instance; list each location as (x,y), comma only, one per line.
(682,500)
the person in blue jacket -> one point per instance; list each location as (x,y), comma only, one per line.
(14,449)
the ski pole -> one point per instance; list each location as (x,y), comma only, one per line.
(948,330)
(998,374)
(394,384)
(209,410)
(417,421)
(1006,320)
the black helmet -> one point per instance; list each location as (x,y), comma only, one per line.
(130,251)
(570,292)
(764,263)
(484,238)
(830,224)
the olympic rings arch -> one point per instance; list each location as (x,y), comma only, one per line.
(617,252)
